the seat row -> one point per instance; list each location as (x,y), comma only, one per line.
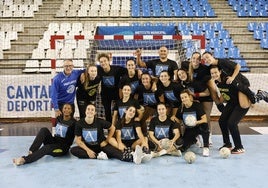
(260,32)
(250,8)
(44,66)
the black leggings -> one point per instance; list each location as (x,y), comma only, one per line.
(229,119)
(107,104)
(50,146)
(111,152)
(190,134)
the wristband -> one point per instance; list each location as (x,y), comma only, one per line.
(196,95)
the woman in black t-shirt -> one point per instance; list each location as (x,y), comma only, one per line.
(57,145)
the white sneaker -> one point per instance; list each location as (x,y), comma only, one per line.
(162,152)
(176,153)
(146,157)
(102,156)
(137,155)
(205,151)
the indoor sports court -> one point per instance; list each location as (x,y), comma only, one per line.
(36,36)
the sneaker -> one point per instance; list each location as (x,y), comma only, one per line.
(162,152)
(226,146)
(205,151)
(137,155)
(238,150)
(176,153)
(146,157)
(262,95)
(102,156)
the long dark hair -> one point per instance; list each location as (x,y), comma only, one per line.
(123,119)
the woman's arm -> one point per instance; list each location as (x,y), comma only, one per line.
(81,144)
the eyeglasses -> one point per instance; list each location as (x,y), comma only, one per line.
(67,66)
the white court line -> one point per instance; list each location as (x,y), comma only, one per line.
(262,130)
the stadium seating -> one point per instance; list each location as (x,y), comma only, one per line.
(250,8)
(260,32)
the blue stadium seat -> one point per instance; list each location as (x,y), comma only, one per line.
(206,26)
(194,26)
(227,43)
(252,26)
(209,34)
(217,26)
(264,43)
(241,13)
(219,52)
(223,34)
(263,13)
(258,34)
(214,43)
(233,52)
(253,13)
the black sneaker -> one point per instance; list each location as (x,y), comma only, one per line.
(229,146)
(238,150)
(262,95)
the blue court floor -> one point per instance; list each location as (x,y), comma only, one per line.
(238,171)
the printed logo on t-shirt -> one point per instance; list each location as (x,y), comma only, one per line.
(70,89)
(108,81)
(61,130)
(170,96)
(159,68)
(121,111)
(149,98)
(161,132)
(90,136)
(134,86)
(127,133)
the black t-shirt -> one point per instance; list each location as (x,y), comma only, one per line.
(195,110)
(227,67)
(88,92)
(133,82)
(65,131)
(171,93)
(228,92)
(163,129)
(158,66)
(121,106)
(110,80)
(128,131)
(92,134)
(147,97)
(201,76)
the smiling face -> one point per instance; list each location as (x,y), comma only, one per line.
(196,60)
(186,98)
(146,80)
(182,75)
(209,59)
(90,111)
(130,112)
(161,110)
(92,72)
(68,67)
(215,74)
(104,62)
(163,52)
(67,110)
(126,90)
(164,77)
(130,65)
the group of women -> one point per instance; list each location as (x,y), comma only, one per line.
(150,115)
